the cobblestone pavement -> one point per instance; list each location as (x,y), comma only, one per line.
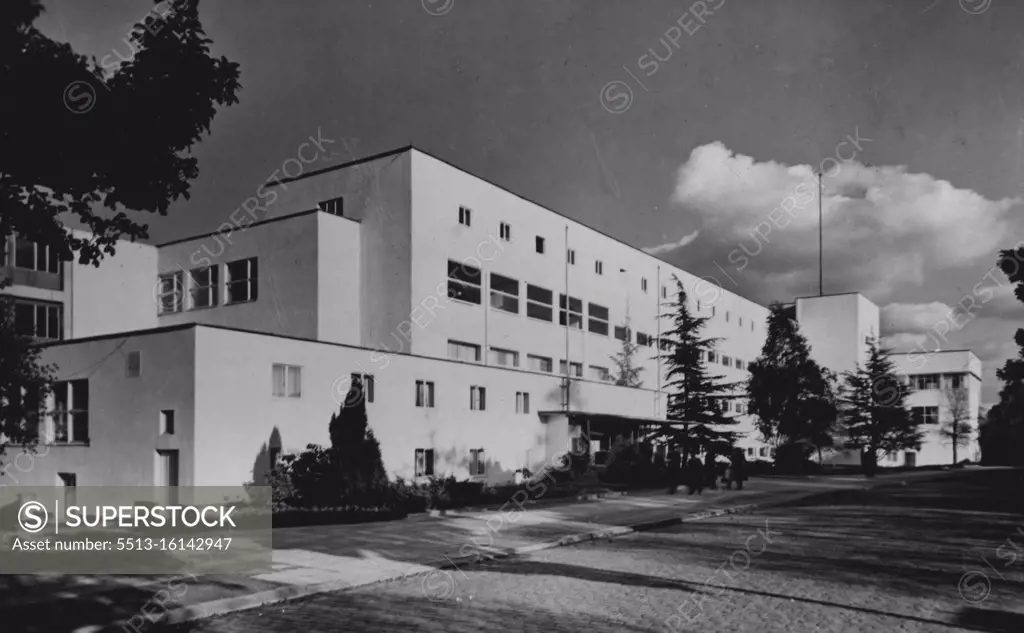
(893,560)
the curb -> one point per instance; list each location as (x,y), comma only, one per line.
(252,601)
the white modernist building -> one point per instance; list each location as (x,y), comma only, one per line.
(481,324)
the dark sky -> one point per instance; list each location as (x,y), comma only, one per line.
(736,114)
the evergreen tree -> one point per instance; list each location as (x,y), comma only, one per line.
(791,395)
(874,411)
(355,451)
(1002,435)
(627,373)
(694,394)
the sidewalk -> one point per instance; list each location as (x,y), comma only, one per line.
(312,560)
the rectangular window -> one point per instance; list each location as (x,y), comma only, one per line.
(956,381)
(925,415)
(752,326)
(504,293)
(727,361)
(477,398)
(741,321)
(364,386)
(576,368)
(242,281)
(711,357)
(643,284)
(172,291)
(464,282)
(570,256)
(665,345)
(71,411)
(726,316)
(334,206)
(540,244)
(664,292)
(133,364)
(622,333)
(287,380)
(424,462)
(575,312)
(540,363)
(598,267)
(465,216)
(32,256)
(539,303)
(42,320)
(927,381)
(167,422)
(598,320)
(644,339)
(599,373)
(504,357)
(477,466)
(505,231)
(740,364)
(522,402)
(763,452)
(203,293)
(424,394)
(466,352)
(750,451)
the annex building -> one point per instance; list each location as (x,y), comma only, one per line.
(481,324)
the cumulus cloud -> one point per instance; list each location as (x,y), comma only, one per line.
(913,318)
(672,246)
(883,225)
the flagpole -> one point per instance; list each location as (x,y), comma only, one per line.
(568,385)
(821,250)
(657,351)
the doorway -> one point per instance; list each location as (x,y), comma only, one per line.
(166,476)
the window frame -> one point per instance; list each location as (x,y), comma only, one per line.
(477,398)
(539,245)
(465,216)
(427,462)
(523,402)
(461,286)
(211,287)
(292,386)
(177,280)
(250,282)
(565,307)
(333,206)
(492,360)
(425,394)
(504,296)
(477,463)
(540,304)
(505,231)
(601,322)
(543,359)
(53,317)
(71,421)
(462,345)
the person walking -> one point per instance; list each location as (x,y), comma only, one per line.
(710,470)
(672,462)
(737,469)
(695,476)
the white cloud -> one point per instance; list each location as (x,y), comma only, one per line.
(671,246)
(904,341)
(913,318)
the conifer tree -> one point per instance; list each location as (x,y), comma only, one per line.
(874,412)
(1002,435)
(355,451)
(694,394)
(627,373)
(791,395)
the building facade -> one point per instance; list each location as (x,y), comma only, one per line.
(481,325)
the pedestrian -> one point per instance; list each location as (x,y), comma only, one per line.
(672,461)
(695,476)
(710,470)
(737,469)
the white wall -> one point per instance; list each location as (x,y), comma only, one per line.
(836,327)
(115,297)
(236,413)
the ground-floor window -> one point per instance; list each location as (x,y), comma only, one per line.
(522,402)
(424,462)
(477,466)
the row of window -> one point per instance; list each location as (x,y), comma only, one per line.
(29,255)
(424,462)
(472,353)
(924,382)
(200,287)
(505,233)
(41,319)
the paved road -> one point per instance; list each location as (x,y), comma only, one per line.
(909,559)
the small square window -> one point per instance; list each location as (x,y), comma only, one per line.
(133,364)
(167,422)
(287,381)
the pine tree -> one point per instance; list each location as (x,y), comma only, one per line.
(627,373)
(355,451)
(874,411)
(1002,436)
(694,395)
(791,395)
